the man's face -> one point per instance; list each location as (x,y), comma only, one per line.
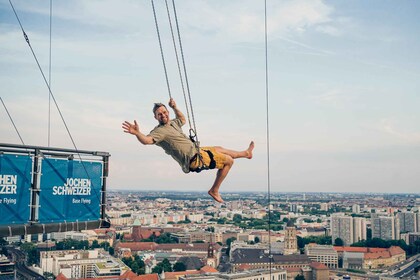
(162,115)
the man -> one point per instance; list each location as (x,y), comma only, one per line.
(169,135)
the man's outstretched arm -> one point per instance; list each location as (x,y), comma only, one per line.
(135,130)
(179,115)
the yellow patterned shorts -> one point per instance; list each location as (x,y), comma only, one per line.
(211,159)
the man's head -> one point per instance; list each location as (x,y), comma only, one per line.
(161,113)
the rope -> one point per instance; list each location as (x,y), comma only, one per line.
(161,50)
(193,128)
(186,78)
(10,117)
(268,136)
(49,80)
(52,95)
(177,61)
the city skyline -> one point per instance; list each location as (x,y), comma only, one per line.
(343,101)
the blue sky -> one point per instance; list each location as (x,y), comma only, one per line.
(343,88)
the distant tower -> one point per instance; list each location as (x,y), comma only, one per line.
(211,260)
(290,240)
(136,230)
(304,196)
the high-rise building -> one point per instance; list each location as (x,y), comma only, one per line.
(408,221)
(293,208)
(342,227)
(324,206)
(356,208)
(418,222)
(348,229)
(386,228)
(359,229)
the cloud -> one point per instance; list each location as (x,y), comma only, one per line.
(237,20)
(391,127)
(245,22)
(335,96)
(328,29)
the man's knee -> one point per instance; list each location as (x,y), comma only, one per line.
(229,160)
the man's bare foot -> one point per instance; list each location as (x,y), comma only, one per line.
(216,196)
(249,150)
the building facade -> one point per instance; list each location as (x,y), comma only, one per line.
(385,227)
(342,227)
(290,241)
(324,254)
(407,221)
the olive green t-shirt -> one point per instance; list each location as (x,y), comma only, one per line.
(175,143)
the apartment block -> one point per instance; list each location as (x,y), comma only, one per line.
(386,228)
(408,221)
(348,229)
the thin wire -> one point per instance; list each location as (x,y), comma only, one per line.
(268,136)
(49,80)
(161,49)
(185,75)
(10,117)
(177,61)
(51,94)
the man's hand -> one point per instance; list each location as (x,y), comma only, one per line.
(178,113)
(172,103)
(131,128)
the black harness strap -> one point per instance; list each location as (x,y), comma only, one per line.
(212,164)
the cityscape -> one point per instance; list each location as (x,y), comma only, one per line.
(253,235)
(323,93)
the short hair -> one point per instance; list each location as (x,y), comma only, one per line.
(157,106)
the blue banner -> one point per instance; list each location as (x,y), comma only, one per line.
(15,184)
(70,191)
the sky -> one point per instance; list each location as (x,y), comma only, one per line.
(343,88)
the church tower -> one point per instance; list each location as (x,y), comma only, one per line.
(211,260)
(290,240)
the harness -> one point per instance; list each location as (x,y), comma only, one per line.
(203,166)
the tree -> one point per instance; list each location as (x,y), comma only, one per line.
(338,242)
(322,240)
(49,275)
(256,239)
(105,245)
(136,264)
(95,244)
(300,277)
(165,238)
(229,242)
(179,266)
(237,218)
(31,253)
(210,229)
(163,265)
(368,233)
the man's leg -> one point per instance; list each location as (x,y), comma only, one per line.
(220,176)
(237,154)
(222,173)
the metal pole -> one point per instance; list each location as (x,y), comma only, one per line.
(35,187)
(104,177)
